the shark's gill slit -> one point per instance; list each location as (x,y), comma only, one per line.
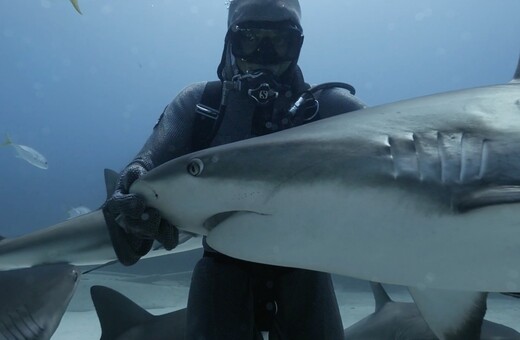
(29,322)
(390,142)
(418,149)
(484,158)
(463,157)
(443,157)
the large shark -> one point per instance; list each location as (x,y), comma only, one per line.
(33,300)
(430,185)
(422,193)
(403,321)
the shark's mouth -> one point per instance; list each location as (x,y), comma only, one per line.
(217,219)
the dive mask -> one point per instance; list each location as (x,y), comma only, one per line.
(266,43)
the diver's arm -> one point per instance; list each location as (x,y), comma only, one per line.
(172,135)
(132,226)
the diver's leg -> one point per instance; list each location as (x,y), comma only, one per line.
(220,304)
(307,307)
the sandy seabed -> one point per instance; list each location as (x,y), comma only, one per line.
(161,294)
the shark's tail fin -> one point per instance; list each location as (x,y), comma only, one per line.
(380,295)
(117,314)
(7,140)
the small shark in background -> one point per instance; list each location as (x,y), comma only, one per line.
(76,5)
(77,211)
(403,321)
(28,154)
(33,300)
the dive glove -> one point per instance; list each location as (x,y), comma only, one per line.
(133,227)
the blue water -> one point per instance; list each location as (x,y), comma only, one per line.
(85,90)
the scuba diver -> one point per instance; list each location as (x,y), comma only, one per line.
(260,90)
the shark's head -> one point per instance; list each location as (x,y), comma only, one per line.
(210,185)
(33,300)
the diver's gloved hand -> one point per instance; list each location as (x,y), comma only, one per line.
(138,225)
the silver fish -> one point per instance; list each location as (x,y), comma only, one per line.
(28,154)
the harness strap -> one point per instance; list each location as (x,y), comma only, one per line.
(209,114)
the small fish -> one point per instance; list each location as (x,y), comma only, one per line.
(77,211)
(27,153)
(76,5)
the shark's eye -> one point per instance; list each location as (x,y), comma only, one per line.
(195,167)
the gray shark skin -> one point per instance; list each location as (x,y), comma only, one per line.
(122,319)
(33,300)
(83,240)
(432,183)
(403,321)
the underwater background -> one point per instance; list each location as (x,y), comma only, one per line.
(86,90)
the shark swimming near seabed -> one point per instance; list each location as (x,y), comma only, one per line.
(33,300)
(403,321)
(121,318)
(430,184)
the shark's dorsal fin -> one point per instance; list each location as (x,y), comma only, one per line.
(502,194)
(111,178)
(516,77)
(116,312)
(380,295)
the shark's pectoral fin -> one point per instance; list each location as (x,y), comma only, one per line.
(504,194)
(451,314)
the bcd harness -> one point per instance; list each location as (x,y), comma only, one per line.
(212,107)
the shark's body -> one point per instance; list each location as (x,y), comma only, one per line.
(422,193)
(403,321)
(33,300)
(395,178)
